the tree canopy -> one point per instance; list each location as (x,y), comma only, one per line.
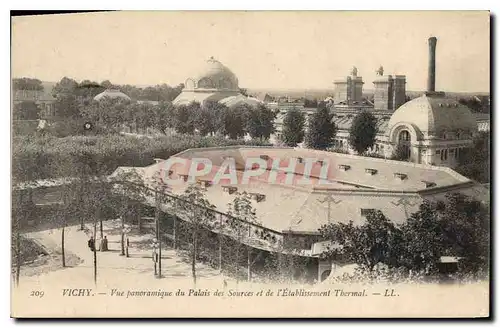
(362,132)
(321,129)
(458,226)
(474,162)
(293,127)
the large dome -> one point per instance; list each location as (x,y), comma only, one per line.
(213,75)
(433,115)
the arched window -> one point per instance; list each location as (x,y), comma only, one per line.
(404,136)
(404,142)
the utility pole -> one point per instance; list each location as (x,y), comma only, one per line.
(329,200)
(158,232)
(95,250)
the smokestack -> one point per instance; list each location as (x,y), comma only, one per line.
(431,78)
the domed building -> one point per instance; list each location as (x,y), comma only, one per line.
(432,129)
(113,94)
(213,82)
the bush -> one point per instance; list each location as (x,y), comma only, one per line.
(46,157)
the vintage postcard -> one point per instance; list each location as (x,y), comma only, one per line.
(251,164)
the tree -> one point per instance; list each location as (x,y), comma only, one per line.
(110,114)
(198,212)
(26,83)
(474,162)
(163,116)
(107,84)
(184,118)
(244,215)
(400,153)
(26,110)
(293,127)
(363,132)
(207,117)
(234,121)
(260,122)
(66,103)
(321,130)
(365,245)
(457,226)
(128,192)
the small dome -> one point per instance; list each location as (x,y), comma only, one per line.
(213,75)
(113,94)
(239,100)
(433,115)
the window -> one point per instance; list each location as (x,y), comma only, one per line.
(438,152)
(404,136)
(401,176)
(229,189)
(371,171)
(444,154)
(344,167)
(429,184)
(366,211)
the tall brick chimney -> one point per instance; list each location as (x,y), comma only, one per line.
(431,78)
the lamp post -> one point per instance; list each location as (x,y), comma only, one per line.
(126,230)
(155,254)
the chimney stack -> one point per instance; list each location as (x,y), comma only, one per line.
(431,78)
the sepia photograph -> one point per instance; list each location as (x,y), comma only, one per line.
(250,164)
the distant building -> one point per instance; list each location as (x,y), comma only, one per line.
(112,94)
(214,82)
(43,98)
(431,129)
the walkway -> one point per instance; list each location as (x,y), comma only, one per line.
(113,268)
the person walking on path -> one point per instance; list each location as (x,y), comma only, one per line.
(91,244)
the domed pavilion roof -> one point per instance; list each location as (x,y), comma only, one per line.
(433,114)
(113,94)
(212,75)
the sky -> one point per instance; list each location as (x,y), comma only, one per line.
(275,50)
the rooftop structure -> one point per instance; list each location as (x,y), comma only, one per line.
(213,82)
(112,94)
(355,185)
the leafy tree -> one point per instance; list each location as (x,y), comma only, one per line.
(111,114)
(26,110)
(293,127)
(243,212)
(107,84)
(260,122)
(365,245)
(184,118)
(363,132)
(321,130)
(66,103)
(400,153)
(310,103)
(26,83)
(234,121)
(197,210)
(129,192)
(163,116)
(87,90)
(474,162)
(457,226)
(207,118)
